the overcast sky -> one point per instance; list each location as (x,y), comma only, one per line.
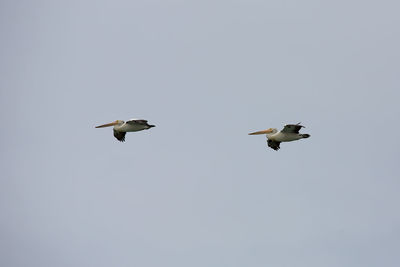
(196,190)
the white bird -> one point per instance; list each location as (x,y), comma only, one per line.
(289,133)
(122,127)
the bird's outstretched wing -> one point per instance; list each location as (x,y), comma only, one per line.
(292,128)
(136,121)
(273,144)
(119,135)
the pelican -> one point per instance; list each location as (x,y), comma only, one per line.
(289,133)
(122,127)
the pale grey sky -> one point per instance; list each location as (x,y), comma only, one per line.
(197,190)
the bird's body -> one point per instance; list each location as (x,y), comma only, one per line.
(122,127)
(289,133)
(132,126)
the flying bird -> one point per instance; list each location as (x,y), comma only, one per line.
(289,133)
(122,127)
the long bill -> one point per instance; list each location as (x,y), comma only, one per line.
(261,132)
(107,125)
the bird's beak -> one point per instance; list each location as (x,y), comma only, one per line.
(262,132)
(107,125)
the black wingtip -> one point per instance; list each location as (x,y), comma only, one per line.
(121,139)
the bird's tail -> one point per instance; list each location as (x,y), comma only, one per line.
(305,135)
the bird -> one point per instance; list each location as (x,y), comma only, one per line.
(289,133)
(122,127)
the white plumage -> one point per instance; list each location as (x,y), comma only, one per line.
(122,127)
(289,133)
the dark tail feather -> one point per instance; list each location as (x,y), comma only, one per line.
(305,135)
